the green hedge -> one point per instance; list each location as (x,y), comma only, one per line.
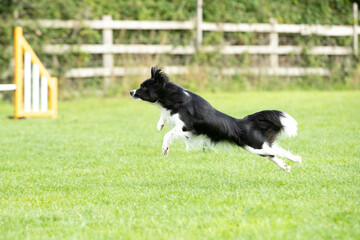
(286,11)
(254,11)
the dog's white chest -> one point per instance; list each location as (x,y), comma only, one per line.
(171,120)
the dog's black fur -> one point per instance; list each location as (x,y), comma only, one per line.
(200,118)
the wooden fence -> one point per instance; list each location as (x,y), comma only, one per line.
(108,49)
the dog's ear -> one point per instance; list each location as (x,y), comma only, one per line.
(154,71)
(159,76)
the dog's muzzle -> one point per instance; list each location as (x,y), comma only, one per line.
(132,94)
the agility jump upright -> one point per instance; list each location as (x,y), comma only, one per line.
(35,89)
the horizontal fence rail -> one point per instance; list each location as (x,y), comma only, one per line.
(114,24)
(303,29)
(186,50)
(122,71)
(274,49)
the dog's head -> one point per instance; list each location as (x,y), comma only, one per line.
(151,89)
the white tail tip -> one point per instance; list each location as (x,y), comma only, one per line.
(290,125)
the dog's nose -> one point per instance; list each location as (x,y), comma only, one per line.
(132,93)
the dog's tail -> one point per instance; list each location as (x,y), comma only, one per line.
(289,125)
(272,123)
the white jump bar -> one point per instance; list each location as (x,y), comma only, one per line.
(44,94)
(35,88)
(7,87)
(27,82)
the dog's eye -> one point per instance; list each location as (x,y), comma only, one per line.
(144,88)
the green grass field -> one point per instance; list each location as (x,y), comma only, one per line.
(97,172)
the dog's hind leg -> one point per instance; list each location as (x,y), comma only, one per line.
(271,153)
(278,151)
(279,162)
(170,136)
(274,151)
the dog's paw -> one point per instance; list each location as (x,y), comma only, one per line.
(166,151)
(297,159)
(287,168)
(159,126)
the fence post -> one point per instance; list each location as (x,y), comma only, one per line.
(108,58)
(274,43)
(199,20)
(355,37)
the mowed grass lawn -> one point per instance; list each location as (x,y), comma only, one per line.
(97,172)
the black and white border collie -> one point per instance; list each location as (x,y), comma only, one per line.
(190,116)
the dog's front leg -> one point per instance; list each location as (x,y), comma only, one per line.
(170,136)
(161,122)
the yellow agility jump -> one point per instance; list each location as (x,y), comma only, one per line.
(36,90)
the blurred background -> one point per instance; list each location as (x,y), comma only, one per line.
(105,48)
